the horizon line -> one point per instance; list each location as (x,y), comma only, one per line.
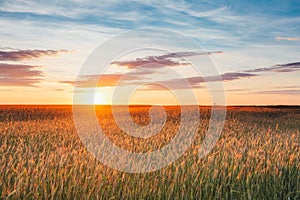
(205,105)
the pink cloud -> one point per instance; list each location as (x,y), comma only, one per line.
(170,59)
(18,55)
(19,75)
(286,38)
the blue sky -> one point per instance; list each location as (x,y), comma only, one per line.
(250,35)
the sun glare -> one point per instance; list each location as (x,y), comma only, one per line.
(100,98)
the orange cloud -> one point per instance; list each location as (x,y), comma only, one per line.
(106,80)
(286,38)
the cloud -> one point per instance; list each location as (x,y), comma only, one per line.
(235,24)
(170,59)
(186,54)
(289,67)
(235,76)
(149,62)
(281,92)
(136,76)
(228,17)
(286,38)
(231,90)
(196,82)
(19,55)
(59,90)
(106,80)
(19,75)
(288,87)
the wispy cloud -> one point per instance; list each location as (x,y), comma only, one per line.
(196,81)
(136,75)
(286,38)
(19,55)
(19,75)
(106,80)
(287,87)
(137,78)
(143,66)
(288,67)
(138,68)
(170,60)
(239,20)
(281,92)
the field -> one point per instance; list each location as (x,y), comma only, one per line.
(256,157)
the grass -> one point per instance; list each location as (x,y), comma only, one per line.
(257,157)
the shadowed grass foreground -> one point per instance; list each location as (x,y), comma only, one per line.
(257,157)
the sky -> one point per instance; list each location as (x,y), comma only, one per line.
(253,45)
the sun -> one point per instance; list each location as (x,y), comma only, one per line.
(99,98)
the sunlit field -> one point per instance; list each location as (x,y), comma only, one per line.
(256,157)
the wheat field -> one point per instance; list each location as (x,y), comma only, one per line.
(256,157)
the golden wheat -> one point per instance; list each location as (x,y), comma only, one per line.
(257,157)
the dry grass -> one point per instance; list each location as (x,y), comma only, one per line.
(257,157)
